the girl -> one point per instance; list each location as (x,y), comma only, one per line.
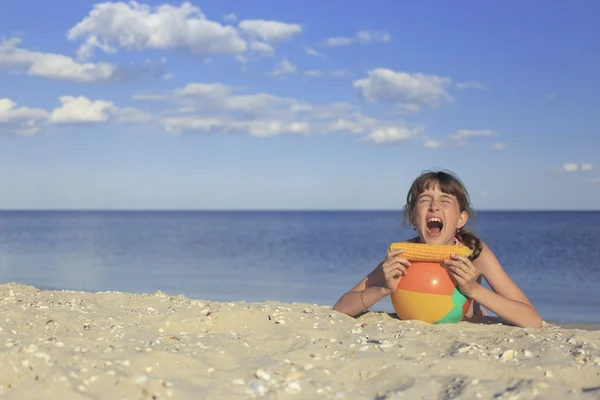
(438,207)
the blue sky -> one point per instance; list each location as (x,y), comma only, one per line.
(297,104)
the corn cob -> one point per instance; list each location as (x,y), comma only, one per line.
(429,252)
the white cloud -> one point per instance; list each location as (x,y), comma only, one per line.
(314,73)
(284,67)
(51,65)
(595,181)
(368,37)
(73,110)
(463,134)
(409,91)
(61,67)
(362,37)
(86,50)
(211,98)
(231,17)
(133,26)
(575,167)
(317,73)
(77,110)
(149,97)
(80,109)
(20,120)
(203,89)
(338,41)
(471,85)
(432,143)
(259,47)
(314,53)
(130,115)
(341,119)
(339,73)
(215,108)
(393,134)
(256,128)
(571,167)
(269,31)
(550,96)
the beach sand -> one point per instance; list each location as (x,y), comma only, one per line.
(79,345)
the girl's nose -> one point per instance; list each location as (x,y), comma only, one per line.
(433,205)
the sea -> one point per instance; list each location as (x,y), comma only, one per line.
(289,256)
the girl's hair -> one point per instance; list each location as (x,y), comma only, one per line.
(450,184)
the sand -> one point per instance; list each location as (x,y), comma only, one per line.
(79,345)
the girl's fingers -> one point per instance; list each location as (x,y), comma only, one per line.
(394,253)
(465,260)
(458,277)
(403,261)
(460,258)
(460,281)
(459,265)
(394,266)
(453,277)
(395,273)
(461,274)
(391,255)
(396,263)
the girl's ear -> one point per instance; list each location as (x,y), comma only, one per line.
(462,219)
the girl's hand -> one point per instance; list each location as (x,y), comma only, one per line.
(394,268)
(463,272)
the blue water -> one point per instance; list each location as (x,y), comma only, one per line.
(286,256)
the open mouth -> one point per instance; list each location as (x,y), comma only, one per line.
(434,226)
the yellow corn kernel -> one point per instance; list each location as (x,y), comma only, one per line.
(429,252)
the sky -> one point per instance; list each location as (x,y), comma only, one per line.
(329,105)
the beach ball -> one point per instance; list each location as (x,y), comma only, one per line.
(428,293)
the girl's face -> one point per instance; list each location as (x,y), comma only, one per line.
(437,216)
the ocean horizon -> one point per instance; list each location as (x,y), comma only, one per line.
(310,256)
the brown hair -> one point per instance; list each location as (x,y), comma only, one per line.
(450,184)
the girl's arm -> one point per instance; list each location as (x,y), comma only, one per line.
(506,300)
(375,286)
(362,296)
